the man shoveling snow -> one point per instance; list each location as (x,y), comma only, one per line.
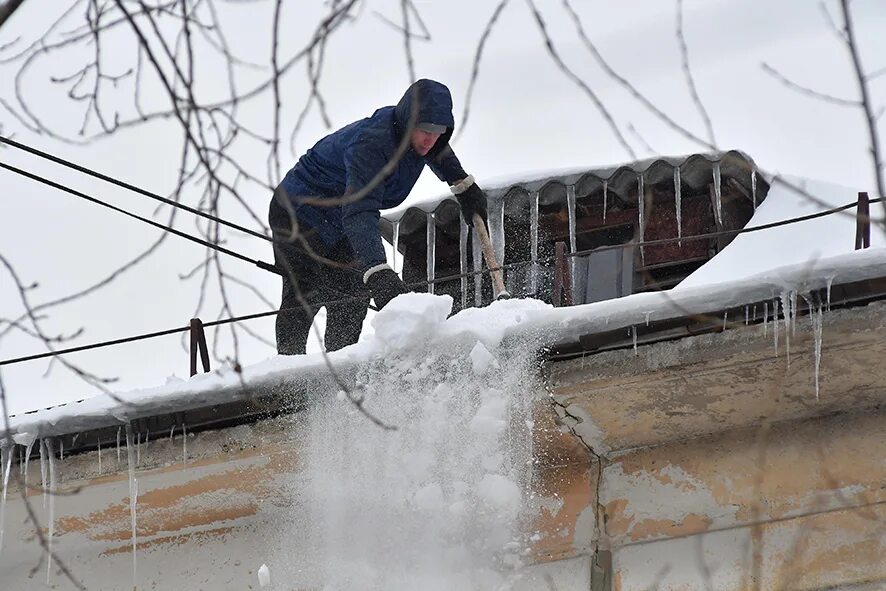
(325,212)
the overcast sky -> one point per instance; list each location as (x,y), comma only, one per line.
(526,115)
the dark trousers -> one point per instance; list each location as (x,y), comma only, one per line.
(317,282)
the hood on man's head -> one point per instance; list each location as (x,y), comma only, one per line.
(434,104)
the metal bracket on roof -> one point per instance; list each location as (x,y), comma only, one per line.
(198,340)
(863,222)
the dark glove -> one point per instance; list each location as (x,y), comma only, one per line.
(384,284)
(473,200)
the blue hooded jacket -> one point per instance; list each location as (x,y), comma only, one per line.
(347,160)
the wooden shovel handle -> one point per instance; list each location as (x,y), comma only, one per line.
(489,254)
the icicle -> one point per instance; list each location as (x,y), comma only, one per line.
(28,449)
(431,258)
(133,497)
(171,433)
(51,455)
(718,194)
(118,446)
(605,198)
(830,283)
(396,241)
(6,468)
(463,261)
(497,230)
(533,243)
(775,323)
(99,458)
(765,318)
(641,205)
(138,449)
(678,203)
(573,244)
(725,319)
(793,312)
(43,470)
(477,255)
(61,449)
(634,339)
(787,314)
(647,315)
(817,323)
(746,316)
(570,209)
(184,444)
(754,188)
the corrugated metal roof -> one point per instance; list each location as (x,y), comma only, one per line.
(696,171)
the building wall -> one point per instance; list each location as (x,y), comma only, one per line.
(722,468)
(211,512)
(704,463)
(791,506)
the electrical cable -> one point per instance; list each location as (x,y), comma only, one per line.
(258,263)
(273,269)
(438,280)
(125,185)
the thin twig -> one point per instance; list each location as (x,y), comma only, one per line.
(866,102)
(690,80)
(475,69)
(805,90)
(549,44)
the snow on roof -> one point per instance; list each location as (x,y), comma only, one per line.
(792,244)
(511,323)
(756,266)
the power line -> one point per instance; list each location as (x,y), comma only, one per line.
(125,185)
(161,333)
(140,191)
(258,263)
(434,281)
(660,241)
(273,269)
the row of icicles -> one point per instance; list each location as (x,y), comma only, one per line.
(497,232)
(787,315)
(48,478)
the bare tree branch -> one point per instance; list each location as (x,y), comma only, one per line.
(475,70)
(549,44)
(690,80)
(866,102)
(645,101)
(803,89)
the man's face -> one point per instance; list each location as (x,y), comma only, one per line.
(423,141)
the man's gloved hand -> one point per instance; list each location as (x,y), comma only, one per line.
(472,200)
(384,284)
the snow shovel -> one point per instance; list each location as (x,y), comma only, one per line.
(489,255)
